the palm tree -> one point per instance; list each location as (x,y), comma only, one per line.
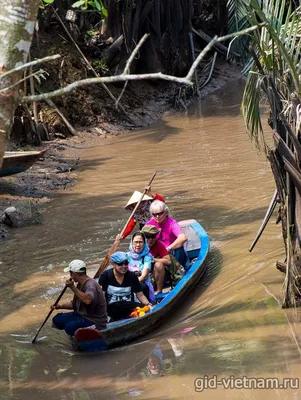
(274,76)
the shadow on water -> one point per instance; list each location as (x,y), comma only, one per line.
(237,327)
(94,163)
(223,102)
(35,377)
(9,277)
(166,130)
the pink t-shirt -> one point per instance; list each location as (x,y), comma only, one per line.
(170,230)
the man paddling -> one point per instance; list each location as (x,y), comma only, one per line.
(88,304)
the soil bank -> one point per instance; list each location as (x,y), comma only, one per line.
(58,169)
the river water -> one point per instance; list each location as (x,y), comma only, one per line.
(230,326)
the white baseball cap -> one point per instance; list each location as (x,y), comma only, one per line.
(76,266)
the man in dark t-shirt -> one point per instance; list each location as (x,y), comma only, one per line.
(122,288)
(88,304)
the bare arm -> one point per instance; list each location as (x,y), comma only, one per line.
(115,244)
(81,295)
(179,242)
(142,298)
(78,293)
(67,306)
(144,275)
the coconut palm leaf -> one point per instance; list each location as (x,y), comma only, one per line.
(277,48)
(237,21)
(251,109)
(237,17)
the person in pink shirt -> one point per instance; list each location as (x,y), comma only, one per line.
(171,233)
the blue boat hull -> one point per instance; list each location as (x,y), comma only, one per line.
(121,332)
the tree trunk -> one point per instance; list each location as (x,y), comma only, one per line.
(17,21)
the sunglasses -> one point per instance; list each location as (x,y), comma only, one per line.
(158,214)
(150,236)
(125,262)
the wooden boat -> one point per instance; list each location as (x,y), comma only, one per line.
(126,330)
(19,161)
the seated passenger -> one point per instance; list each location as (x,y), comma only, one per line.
(163,261)
(140,262)
(122,289)
(88,304)
(142,213)
(170,233)
(160,254)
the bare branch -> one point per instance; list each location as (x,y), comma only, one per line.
(218,40)
(130,60)
(187,80)
(19,81)
(128,64)
(89,65)
(121,94)
(29,64)
(105,79)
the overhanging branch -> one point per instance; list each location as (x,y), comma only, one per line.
(187,80)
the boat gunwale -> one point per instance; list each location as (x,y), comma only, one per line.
(173,296)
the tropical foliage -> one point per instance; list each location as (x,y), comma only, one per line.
(237,21)
(274,80)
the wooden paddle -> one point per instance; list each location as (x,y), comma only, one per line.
(106,260)
(50,312)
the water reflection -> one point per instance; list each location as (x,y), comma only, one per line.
(208,173)
(164,368)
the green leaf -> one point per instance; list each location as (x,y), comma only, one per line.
(97,5)
(104,10)
(78,3)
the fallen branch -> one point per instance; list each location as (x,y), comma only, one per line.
(219,47)
(89,66)
(34,104)
(29,64)
(266,218)
(187,80)
(211,71)
(66,122)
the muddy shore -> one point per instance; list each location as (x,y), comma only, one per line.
(57,170)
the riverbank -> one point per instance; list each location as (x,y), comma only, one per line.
(57,171)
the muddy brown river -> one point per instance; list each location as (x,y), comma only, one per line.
(228,339)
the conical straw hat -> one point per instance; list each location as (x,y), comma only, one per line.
(136,196)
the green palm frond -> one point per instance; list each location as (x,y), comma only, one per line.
(237,21)
(276,47)
(237,17)
(250,108)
